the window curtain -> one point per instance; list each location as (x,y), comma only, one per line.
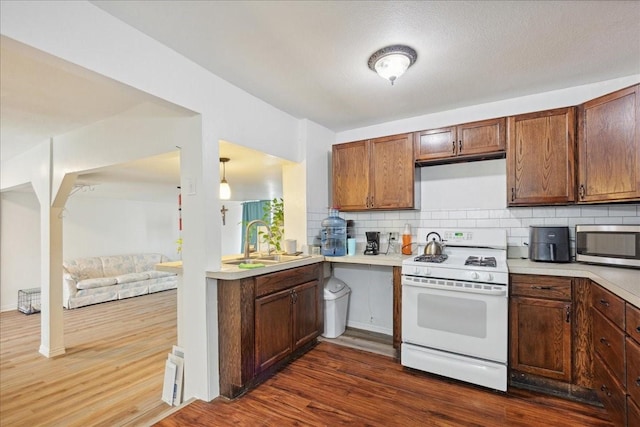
(250,211)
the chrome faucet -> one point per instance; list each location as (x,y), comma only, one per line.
(246,237)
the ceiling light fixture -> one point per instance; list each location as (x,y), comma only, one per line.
(225,190)
(392,61)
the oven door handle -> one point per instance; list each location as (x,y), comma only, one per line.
(461,287)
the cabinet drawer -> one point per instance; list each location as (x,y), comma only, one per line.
(608,342)
(274,282)
(610,393)
(557,288)
(633,413)
(608,304)
(632,322)
(633,369)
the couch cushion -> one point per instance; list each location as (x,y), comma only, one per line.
(84,268)
(131,277)
(146,262)
(117,265)
(98,282)
(154,274)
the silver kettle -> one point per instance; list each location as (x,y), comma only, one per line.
(434,247)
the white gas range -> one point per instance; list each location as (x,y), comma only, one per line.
(455,307)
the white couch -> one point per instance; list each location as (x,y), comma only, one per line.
(108,278)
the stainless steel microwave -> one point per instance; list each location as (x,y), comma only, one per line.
(615,245)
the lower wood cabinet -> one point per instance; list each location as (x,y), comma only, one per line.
(550,346)
(285,321)
(611,393)
(616,328)
(264,322)
(541,325)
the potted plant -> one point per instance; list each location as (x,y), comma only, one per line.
(274,216)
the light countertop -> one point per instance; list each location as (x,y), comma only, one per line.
(393,260)
(233,272)
(623,282)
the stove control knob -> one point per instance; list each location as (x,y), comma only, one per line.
(474,275)
(489,277)
(416,271)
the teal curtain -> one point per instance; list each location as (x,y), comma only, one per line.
(250,211)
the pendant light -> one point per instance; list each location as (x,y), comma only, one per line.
(225,190)
(392,61)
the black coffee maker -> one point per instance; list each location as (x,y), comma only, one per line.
(373,243)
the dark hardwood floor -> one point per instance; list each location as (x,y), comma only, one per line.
(335,385)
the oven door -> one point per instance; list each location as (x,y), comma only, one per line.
(470,319)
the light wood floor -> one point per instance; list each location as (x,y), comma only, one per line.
(111,374)
(336,385)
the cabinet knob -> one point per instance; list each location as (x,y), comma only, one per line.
(453,147)
(568,311)
(460,146)
(638,382)
(604,341)
(604,302)
(513,194)
(581,191)
(542,288)
(604,389)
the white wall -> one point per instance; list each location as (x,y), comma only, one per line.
(508,107)
(19,245)
(371,298)
(230,241)
(95,227)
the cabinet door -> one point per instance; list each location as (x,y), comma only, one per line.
(351,175)
(436,144)
(632,353)
(273,329)
(610,392)
(608,342)
(486,136)
(306,314)
(540,158)
(633,413)
(392,172)
(541,337)
(609,147)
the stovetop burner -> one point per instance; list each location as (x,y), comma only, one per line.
(481,261)
(431,258)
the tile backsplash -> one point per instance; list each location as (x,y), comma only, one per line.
(515,220)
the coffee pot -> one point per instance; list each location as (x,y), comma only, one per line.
(373,243)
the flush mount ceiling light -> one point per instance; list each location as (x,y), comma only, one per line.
(392,61)
(225,190)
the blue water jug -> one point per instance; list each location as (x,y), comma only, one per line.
(334,235)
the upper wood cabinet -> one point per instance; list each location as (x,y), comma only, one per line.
(483,139)
(609,147)
(374,174)
(541,158)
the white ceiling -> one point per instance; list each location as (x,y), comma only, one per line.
(309,59)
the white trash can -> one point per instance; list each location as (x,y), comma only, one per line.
(336,302)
